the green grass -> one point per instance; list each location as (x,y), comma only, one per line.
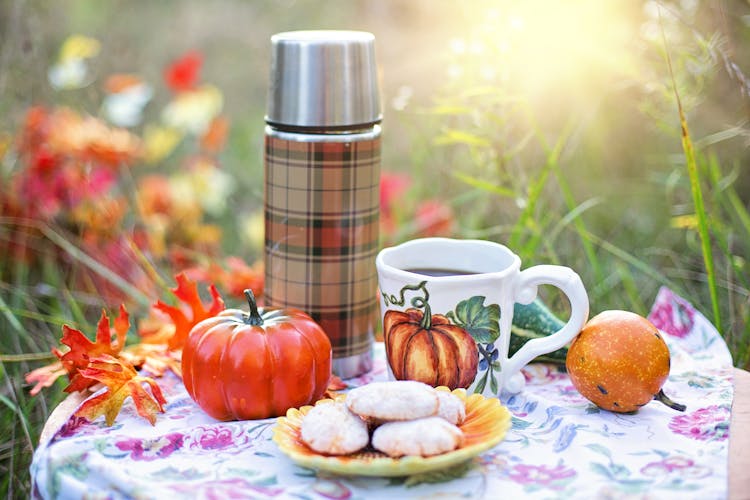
(30,328)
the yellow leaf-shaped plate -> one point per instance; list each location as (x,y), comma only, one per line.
(485,425)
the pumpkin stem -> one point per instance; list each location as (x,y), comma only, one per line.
(426,322)
(663,398)
(254,318)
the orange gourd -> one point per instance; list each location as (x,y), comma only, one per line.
(250,366)
(620,362)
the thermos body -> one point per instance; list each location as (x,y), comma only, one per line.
(321,219)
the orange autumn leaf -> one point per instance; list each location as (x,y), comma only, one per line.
(44,376)
(82,349)
(334,386)
(156,359)
(122,381)
(187,292)
(156,328)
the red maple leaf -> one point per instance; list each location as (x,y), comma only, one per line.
(187,292)
(122,381)
(82,349)
(183,73)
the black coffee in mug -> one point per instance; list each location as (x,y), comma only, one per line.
(440,272)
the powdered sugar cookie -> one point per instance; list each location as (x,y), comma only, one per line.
(425,437)
(451,408)
(331,428)
(395,400)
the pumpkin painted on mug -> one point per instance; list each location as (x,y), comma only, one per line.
(426,347)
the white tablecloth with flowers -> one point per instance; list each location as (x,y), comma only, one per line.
(559,445)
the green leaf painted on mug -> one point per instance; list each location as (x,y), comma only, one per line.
(480,321)
(493,383)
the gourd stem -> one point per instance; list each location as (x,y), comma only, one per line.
(663,398)
(426,322)
(254,318)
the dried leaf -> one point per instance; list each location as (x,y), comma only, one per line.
(187,292)
(336,384)
(156,328)
(44,376)
(82,349)
(122,381)
(156,359)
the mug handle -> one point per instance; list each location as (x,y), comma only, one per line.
(526,288)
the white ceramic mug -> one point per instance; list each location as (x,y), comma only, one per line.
(447,309)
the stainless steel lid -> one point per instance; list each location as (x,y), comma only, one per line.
(323,79)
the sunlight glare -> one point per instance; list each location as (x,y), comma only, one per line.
(535,44)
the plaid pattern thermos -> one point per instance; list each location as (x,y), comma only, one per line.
(321,222)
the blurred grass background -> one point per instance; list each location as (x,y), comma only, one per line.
(552,127)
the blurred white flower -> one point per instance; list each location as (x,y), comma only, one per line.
(205,185)
(125,107)
(192,111)
(403,96)
(68,75)
(71,71)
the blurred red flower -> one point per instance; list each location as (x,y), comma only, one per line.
(392,188)
(183,73)
(66,159)
(434,218)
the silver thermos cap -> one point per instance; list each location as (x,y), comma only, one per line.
(323,79)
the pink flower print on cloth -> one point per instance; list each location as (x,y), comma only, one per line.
(542,476)
(151,449)
(680,467)
(705,424)
(231,439)
(671,314)
(226,488)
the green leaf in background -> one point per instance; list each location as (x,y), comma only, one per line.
(480,321)
(453,136)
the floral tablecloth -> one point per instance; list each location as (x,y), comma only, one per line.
(559,445)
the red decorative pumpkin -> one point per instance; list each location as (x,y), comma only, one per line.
(428,348)
(250,366)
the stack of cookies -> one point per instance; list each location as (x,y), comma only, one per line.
(397,418)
